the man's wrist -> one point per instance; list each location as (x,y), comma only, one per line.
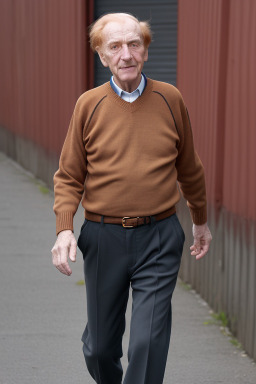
(201,225)
(66,231)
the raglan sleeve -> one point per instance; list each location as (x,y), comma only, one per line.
(190,170)
(70,177)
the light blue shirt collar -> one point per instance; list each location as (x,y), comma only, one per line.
(130,97)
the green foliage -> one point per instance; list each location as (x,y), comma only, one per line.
(44,190)
(222,321)
(221,317)
(40,185)
(235,342)
(185,286)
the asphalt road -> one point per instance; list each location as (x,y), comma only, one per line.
(43,313)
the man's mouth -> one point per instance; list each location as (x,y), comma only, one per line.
(128,66)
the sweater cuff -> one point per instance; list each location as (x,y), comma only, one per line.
(199,216)
(64,221)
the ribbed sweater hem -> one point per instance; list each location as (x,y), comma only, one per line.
(199,216)
(64,221)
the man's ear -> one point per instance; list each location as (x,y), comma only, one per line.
(146,54)
(102,56)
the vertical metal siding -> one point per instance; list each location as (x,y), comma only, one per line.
(197,77)
(162,16)
(216,75)
(239,183)
(45,51)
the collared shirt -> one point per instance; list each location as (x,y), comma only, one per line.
(126,96)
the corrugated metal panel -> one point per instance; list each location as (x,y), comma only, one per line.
(216,74)
(163,50)
(240,155)
(199,41)
(43,44)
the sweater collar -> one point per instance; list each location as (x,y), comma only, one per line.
(128,105)
(120,92)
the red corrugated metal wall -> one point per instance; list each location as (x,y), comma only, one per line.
(46,66)
(198,77)
(239,182)
(217,77)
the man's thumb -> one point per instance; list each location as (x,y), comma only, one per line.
(196,244)
(72,252)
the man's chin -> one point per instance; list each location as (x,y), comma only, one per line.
(130,77)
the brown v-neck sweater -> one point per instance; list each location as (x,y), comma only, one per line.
(124,159)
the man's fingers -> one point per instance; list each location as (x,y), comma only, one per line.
(203,252)
(202,239)
(195,248)
(64,248)
(199,250)
(59,260)
(64,268)
(63,260)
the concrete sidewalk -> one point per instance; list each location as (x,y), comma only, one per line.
(43,313)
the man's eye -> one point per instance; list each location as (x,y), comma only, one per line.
(134,45)
(114,47)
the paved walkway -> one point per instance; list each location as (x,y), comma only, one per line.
(43,313)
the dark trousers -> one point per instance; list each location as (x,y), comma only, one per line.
(147,258)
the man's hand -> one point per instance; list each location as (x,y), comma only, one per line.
(202,239)
(64,247)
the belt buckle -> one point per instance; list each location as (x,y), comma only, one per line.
(128,217)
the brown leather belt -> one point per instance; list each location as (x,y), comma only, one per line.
(129,221)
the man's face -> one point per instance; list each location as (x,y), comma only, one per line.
(123,52)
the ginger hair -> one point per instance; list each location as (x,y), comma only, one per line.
(96,28)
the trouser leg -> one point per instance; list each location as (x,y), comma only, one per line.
(153,280)
(107,288)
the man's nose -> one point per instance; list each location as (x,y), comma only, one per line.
(126,54)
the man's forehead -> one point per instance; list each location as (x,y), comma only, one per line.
(119,30)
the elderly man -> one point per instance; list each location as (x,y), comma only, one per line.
(128,143)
